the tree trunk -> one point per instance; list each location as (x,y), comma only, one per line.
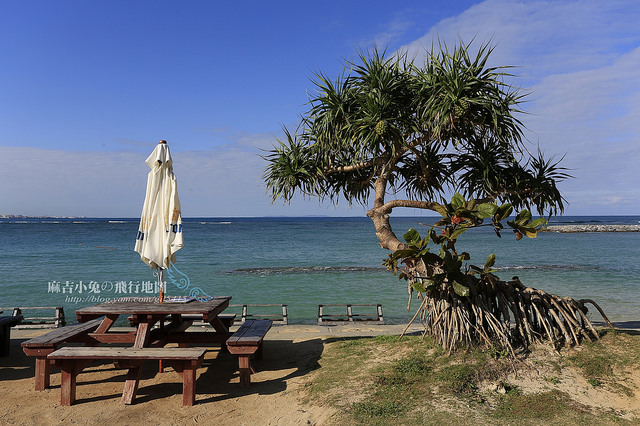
(385,234)
(380,216)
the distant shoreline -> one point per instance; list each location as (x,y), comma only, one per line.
(591,228)
(19,216)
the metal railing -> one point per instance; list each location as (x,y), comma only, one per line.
(36,319)
(273,316)
(349,316)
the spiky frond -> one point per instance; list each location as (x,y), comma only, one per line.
(450,123)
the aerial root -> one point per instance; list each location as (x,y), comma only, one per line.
(504,314)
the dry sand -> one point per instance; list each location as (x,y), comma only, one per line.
(291,352)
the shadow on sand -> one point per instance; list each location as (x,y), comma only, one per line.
(218,377)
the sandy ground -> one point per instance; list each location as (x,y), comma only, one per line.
(291,352)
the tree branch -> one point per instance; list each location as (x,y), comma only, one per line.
(416,204)
(351,167)
(376,161)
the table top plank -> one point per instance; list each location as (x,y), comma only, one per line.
(208,309)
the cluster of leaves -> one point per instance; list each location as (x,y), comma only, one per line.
(425,269)
(422,128)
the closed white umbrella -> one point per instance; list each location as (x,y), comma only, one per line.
(160,232)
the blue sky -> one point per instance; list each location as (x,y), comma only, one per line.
(88,88)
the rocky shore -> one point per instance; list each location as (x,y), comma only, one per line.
(592,228)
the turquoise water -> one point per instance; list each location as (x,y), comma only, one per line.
(301,262)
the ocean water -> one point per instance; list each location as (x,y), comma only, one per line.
(301,262)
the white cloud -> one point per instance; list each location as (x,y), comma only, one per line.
(580,59)
(224,181)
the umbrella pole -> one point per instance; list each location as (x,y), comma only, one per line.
(161,284)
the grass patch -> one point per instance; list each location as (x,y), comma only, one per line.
(368,410)
(458,379)
(603,363)
(553,380)
(593,365)
(383,380)
(545,406)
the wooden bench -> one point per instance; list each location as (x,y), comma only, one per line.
(246,341)
(6,323)
(41,346)
(72,360)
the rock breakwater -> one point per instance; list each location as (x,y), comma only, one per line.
(592,228)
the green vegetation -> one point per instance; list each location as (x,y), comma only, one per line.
(383,380)
(442,123)
(600,367)
(467,305)
(422,129)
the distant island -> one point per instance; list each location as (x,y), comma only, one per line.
(592,228)
(19,216)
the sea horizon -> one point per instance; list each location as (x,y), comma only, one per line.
(13,216)
(301,261)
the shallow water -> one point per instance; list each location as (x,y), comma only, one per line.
(301,262)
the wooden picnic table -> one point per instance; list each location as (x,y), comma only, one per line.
(145,314)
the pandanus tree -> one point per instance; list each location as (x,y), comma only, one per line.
(408,133)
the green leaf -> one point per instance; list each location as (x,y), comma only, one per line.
(411,236)
(457,201)
(491,260)
(537,222)
(504,211)
(486,210)
(458,232)
(523,217)
(452,266)
(419,286)
(403,254)
(460,290)
(441,209)
(469,205)
(431,258)
(475,268)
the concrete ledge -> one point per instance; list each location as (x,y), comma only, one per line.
(592,228)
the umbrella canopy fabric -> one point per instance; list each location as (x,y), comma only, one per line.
(160,232)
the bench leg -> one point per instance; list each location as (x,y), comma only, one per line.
(245,370)
(131,384)
(43,373)
(161,363)
(68,383)
(189,385)
(187,371)
(259,351)
(5,340)
(70,368)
